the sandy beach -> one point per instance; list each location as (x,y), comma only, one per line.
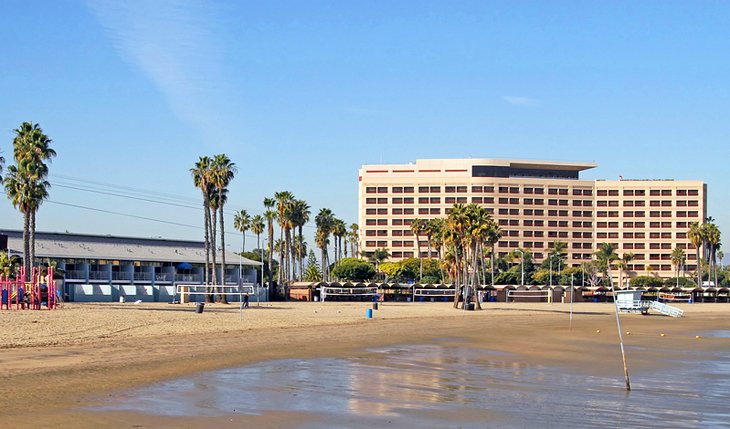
(58,363)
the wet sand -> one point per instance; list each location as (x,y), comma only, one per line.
(59,363)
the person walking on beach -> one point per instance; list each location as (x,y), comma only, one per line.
(245,301)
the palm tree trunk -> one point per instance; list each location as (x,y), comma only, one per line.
(32,236)
(26,244)
(223,298)
(301,256)
(271,256)
(214,245)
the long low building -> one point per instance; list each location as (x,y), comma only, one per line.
(107,268)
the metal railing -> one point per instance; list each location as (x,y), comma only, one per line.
(76,274)
(121,275)
(192,278)
(142,276)
(98,275)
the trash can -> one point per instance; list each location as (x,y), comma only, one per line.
(199,307)
(375,306)
(369,313)
(469,306)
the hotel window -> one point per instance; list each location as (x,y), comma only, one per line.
(408,189)
(461,189)
(639,214)
(693,192)
(613,192)
(613,224)
(489,200)
(693,203)
(476,189)
(435,211)
(408,211)
(681,192)
(601,224)
(397,200)
(502,222)
(514,222)
(382,211)
(397,233)
(577,213)
(539,191)
(528,212)
(489,189)
(514,212)
(628,203)
(422,211)
(397,222)
(527,222)
(503,200)
(461,200)
(681,224)
(628,224)
(397,244)
(552,202)
(408,200)
(451,200)
(370,200)
(382,201)
(692,214)
(528,190)
(552,223)
(563,224)
(539,222)
(450,189)
(370,244)
(602,203)
(382,222)
(628,214)
(539,201)
(512,200)
(370,190)
(654,203)
(628,193)
(602,193)
(369,211)
(681,203)
(503,211)
(422,200)
(435,189)
(475,200)
(397,189)
(382,189)
(423,189)
(666,203)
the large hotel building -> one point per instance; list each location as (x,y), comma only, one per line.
(535,203)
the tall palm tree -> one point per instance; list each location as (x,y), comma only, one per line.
(283,200)
(354,239)
(623,266)
(257,227)
(606,255)
(696,236)
(339,230)
(301,214)
(436,227)
(712,239)
(201,173)
(270,216)
(325,223)
(31,150)
(678,260)
(242,223)
(418,227)
(224,170)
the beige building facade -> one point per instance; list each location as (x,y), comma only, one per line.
(535,203)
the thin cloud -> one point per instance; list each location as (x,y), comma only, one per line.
(521,101)
(173,43)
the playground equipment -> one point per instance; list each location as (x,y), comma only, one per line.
(29,295)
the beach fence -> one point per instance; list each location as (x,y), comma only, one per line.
(29,292)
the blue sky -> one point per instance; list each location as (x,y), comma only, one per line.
(300,94)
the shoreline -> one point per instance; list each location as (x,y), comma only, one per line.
(67,358)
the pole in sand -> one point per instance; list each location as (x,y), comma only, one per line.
(620,335)
(571,300)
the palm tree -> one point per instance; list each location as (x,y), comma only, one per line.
(283,200)
(354,239)
(300,212)
(712,239)
(242,223)
(325,223)
(224,170)
(339,230)
(202,179)
(678,260)
(270,216)
(418,226)
(606,254)
(623,265)
(378,257)
(436,227)
(257,227)
(696,236)
(27,187)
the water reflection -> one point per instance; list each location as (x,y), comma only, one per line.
(423,385)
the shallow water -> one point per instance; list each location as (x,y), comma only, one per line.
(444,385)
